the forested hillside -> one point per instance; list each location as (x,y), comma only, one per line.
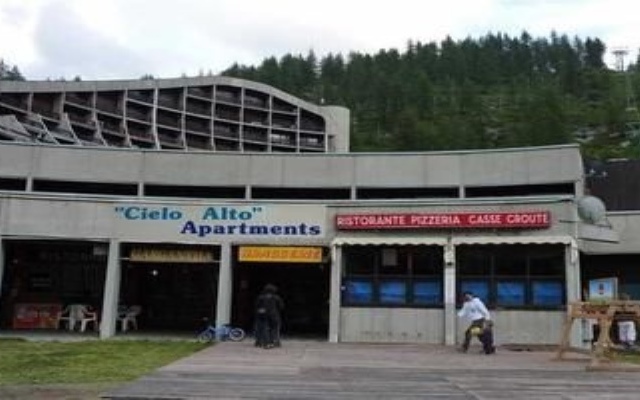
(490,92)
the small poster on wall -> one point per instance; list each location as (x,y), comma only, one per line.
(36,316)
(603,289)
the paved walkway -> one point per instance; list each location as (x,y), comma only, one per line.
(318,370)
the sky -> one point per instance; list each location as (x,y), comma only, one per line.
(125,39)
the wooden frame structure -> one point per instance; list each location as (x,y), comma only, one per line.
(605,313)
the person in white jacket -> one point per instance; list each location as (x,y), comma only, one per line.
(477,313)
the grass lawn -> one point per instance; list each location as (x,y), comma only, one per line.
(630,357)
(24,362)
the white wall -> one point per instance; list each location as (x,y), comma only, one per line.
(385,325)
(524,327)
(56,218)
(627,226)
(452,169)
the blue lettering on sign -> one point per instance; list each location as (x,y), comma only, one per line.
(220,221)
(204,230)
(149,213)
(230,214)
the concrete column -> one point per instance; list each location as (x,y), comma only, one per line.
(450,326)
(225,285)
(111,291)
(336,292)
(2,265)
(574,289)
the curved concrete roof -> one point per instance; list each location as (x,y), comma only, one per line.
(179,113)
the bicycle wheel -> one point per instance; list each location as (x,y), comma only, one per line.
(236,334)
(206,336)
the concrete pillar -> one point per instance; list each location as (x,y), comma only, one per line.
(2,265)
(225,285)
(335,294)
(450,326)
(574,289)
(111,291)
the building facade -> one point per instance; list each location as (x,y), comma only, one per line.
(185,197)
(364,247)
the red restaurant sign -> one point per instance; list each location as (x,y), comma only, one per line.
(504,220)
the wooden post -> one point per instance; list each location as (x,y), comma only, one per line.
(566,334)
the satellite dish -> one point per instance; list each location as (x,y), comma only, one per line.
(591,209)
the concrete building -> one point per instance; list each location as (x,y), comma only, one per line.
(195,114)
(364,247)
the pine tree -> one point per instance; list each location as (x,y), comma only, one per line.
(493,91)
(9,72)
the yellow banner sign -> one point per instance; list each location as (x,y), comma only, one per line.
(148,254)
(280,254)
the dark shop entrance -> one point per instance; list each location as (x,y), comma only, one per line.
(174,286)
(302,278)
(42,277)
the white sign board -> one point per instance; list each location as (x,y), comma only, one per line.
(219,223)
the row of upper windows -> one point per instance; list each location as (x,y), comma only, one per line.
(279,193)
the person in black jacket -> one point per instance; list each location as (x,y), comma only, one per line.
(268,310)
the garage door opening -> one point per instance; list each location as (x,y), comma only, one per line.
(302,284)
(175,286)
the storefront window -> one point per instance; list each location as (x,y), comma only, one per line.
(393,276)
(394,261)
(426,261)
(547,264)
(547,293)
(480,288)
(358,291)
(427,292)
(393,292)
(509,263)
(474,263)
(513,276)
(361,261)
(510,293)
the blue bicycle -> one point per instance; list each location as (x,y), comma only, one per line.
(222,333)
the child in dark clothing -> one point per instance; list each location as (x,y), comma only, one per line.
(486,338)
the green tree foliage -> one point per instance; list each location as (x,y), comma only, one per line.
(9,72)
(493,91)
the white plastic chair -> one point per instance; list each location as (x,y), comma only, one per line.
(129,317)
(65,315)
(85,317)
(74,313)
